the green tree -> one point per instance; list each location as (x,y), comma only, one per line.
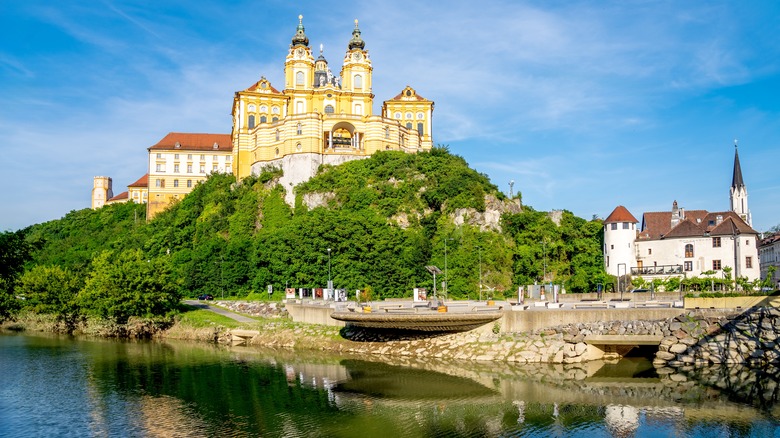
(15,251)
(126,284)
(52,290)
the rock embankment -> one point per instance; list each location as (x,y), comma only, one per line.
(256,309)
(701,337)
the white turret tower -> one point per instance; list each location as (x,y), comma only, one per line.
(619,240)
(738,194)
(101,191)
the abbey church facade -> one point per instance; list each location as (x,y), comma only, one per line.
(317,118)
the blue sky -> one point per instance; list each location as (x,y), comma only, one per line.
(585,105)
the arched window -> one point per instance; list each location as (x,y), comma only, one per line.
(358,108)
(387,132)
(358,81)
(408,125)
(299,129)
(275,119)
(263,119)
(299,78)
(299,107)
(277,135)
(251,121)
(329,109)
(689,250)
(420,128)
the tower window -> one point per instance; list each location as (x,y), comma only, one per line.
(358,81)
(358,108)
(387,132)
(613,226)
(748,262)
(299,78)
(329,109)
(625,225)
(277,135)
(299,129)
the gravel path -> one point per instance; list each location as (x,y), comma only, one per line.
(219,310)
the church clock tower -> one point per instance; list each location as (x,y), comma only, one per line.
(356,75)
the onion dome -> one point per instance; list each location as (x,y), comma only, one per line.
(300,38)
(356,42)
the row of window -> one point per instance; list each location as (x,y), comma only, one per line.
(160,183)
(214,168)
(263,109)
(409,115)
(189,157)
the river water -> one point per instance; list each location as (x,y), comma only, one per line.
(53,386)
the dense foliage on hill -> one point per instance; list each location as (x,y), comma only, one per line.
(379,223)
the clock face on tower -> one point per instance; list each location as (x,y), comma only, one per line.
(357,56)
(299,53)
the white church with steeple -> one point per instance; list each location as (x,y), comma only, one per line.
(684,243)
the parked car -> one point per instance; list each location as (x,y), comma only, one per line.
(205,297)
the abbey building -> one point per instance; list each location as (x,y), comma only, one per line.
(319,117)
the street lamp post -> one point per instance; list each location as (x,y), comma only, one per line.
(330,283)
(446,278)
(480,272)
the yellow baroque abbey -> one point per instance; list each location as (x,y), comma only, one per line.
(319,118)
(322,118)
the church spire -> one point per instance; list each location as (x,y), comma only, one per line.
(736,179)
(300,38)
(356,42)
(738,193)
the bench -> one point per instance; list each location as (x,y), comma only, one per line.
(519,307)
(540,304)
(592,305)
(653,304)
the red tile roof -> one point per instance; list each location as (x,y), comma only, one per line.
(195,142)
(658,225)
(414,96)
(620,214)
(256,87)
(118,197)
(142,182)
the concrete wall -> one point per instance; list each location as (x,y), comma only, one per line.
(530,320)
(731,302)
(312,314)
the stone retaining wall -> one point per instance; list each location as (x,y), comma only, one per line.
(714,337)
